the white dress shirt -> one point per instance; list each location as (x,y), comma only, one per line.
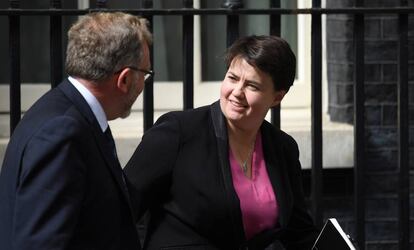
(92,102)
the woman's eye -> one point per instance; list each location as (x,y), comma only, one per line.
(232,78)
(253,87)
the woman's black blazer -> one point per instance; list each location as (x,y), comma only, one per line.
(180,173)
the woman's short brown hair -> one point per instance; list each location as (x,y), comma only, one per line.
(270,54)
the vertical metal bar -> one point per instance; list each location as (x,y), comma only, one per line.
(316,111)
(232,20)
(403,128)
(188,57)
(359,127)
(148,99)
(275,19)
(275,24)
(14,53)
(55,45)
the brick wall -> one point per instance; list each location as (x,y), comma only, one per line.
(381,93)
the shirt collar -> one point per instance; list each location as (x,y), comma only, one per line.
(92,102)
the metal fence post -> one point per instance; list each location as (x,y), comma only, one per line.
(148,98)
(359,127)
(232,20)
(403,132)
(14,54)
(316,110)
(56,64)
(188,57)
(275,24)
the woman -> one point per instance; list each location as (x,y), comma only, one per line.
(220,176)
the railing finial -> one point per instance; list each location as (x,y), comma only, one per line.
(188,3)
(148,4)
(56,4)
(232,4)
(14,3)
(101,4)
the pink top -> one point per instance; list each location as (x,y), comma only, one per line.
(258,203)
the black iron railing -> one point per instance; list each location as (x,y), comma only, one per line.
(232,9)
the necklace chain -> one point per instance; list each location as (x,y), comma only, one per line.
(244,167)
(244,163)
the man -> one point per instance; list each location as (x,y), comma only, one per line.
(61,185)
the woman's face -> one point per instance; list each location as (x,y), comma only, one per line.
(247,94)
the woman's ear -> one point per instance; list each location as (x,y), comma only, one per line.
(278,96)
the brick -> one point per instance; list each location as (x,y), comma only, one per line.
(381,207)
(381,230)
(410,24)
(411,50)
(411,72)
(390,72)
(411,93)
(380,93)
(390,28)
(341,113)
(411,137)
(381,159)
(373,72)
(332,97)
(384,183)
(340,51)
(343,94)
(381,51)
(390,115)
(411,204)
(339,28)
(340,72)
(339,3)
(381,138)
(381,3)
(373,115)
(372,28)
(382,245)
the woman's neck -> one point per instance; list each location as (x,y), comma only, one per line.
(241,136)
(241,143)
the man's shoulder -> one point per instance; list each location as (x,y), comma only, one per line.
(50,105)
(52,111)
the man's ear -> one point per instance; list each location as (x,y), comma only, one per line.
(278,96)
(124,80)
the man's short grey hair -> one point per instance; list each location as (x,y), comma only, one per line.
(100,44)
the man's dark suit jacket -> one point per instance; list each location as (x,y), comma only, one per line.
(181,173)
(61,185)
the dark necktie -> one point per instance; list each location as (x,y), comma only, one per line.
(111,143)
(110,139)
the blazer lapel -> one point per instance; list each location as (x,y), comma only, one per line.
(276,169)
(220,131)
(112,163)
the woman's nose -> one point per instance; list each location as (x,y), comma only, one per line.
(239,89)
